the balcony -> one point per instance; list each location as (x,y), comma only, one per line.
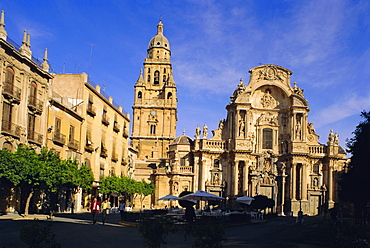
(89,148)
(116,127)
(74,144)
(59,138)
(125,133)
(104,152)
(114,156)
(105,120)
(35,105)
(91,110)
(35,138)
(11,92)
(11,129)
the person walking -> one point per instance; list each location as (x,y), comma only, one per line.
(122,206)
(94,208)
(105,206)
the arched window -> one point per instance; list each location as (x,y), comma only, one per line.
(216,163)
(164,70)
(139,94)
(267,138)
(9,76)
(33,94)
(164,78)
(169,95)
(156,77)
(148,78)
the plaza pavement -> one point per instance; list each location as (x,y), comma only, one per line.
(76,230)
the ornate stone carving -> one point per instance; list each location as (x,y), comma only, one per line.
(197,132)
(267,119)
(241,88)
(268,101)
(271,73)
(205,131)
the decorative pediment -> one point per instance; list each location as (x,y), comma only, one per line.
(271,73)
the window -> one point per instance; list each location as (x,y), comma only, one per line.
(148,78)
(33,94)
(7,116)
(148,70)
(139,94)
(152,129)
(156,77)
(88,137)
(267,138)
(182,161)
(169,95)
(216,163)
(164,70)
(164,78)
(31,126)
(316,168)
(9,76)
(58,125)
(71,133)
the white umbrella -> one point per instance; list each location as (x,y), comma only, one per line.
(245,200)
(168,198)
(202,196)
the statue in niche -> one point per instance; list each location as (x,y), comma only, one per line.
(205,131)
(241,127)
(197,132)
(298,132)
(315,182)
(216,179)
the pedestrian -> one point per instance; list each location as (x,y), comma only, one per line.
(189,214)
(122,206)
(94,208)
(105,206)
(300,217)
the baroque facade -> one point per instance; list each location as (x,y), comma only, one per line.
(264,146)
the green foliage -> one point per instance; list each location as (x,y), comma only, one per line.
(154,230)
(44,170)
(355,184)
(37,234)
(207,232)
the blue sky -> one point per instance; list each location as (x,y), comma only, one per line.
(326,43)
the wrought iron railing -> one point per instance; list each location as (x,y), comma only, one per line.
(10,128)
(35,104)
(12,91)
(59,138)
(35,137)
(73,144)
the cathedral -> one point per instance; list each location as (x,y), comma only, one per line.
(264,146)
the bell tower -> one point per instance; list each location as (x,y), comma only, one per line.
(155,101)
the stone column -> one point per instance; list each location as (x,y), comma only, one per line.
(229,178)
(235,178)
(282,194)
(330,188)
(304,182)
(293,181)
(245,177)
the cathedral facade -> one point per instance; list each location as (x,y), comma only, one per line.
(264,146)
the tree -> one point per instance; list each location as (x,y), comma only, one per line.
(43,171)
(144,189)
(355,185)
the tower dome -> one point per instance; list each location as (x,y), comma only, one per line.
(159,41)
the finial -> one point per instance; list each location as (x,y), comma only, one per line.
(241,80)
(29,40)
(46,54)
(24,41)
(183,132)
(2,23)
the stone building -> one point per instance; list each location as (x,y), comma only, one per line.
(264,146)
(91,127)
(25,83)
